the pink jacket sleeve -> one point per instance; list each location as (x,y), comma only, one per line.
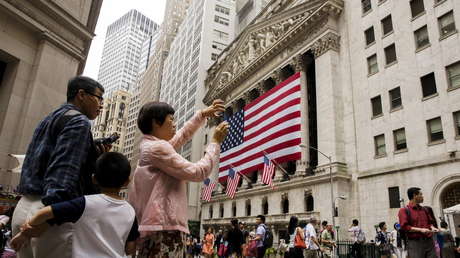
(165,158)
(186,132)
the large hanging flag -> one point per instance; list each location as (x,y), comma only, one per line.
(206,191)
(232,182)
(269,171)
(271,123)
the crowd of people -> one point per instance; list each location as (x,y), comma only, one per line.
(71,204)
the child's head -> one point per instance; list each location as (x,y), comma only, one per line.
(112,170)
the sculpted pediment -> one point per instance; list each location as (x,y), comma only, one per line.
(261,37)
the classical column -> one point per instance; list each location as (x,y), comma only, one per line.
(298,64)
(329,98)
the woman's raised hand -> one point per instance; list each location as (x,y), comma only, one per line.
(220,132)
(215,109)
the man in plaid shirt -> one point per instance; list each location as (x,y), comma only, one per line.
(58,165)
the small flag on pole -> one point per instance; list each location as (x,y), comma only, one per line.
(269,171)
(232,182)
(207,189)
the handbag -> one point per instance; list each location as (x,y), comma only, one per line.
(299,242)
(222,249)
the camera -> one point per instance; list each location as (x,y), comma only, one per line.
(108,140)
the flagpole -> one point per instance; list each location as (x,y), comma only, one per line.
(278,165)
(243,176)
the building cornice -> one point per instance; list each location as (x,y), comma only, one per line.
(54,24)
(263,41)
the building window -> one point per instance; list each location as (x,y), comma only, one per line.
(372,66)
(285,204)
(380,145)
(221,20)
(233,209)
(395,98)
(390,54)
(222,9)
(248,208)
(400,139)
(421,37)
(376,106)
(434,127)
(457,123)
(446,24)
(387,25)
(211,211)
(428,85)
(309,202)
(417,7)
(214,56)
(370,37)
(366,5)
(221,34)
(393,196)
(453,75)
(221,210)
(265,206)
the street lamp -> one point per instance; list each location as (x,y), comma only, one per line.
(330,179)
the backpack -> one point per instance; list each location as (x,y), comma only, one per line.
(268,238)
(361,238)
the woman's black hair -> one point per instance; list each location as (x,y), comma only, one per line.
(293,224)
(155,110)
(381,224)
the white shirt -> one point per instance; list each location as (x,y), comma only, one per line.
(354,233)
(309,233)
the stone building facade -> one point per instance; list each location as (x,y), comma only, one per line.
(366,68)
(43,44)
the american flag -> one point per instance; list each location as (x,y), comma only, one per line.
(232,182)
(269,171)
(207,189)
(271,123)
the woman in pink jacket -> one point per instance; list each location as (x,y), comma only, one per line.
(158,189)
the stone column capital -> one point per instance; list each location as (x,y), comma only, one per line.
(276,76)
(297,63)
(330,41)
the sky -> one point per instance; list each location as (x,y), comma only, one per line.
(111,10)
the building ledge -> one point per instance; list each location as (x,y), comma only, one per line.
(396,109)
(423,48)
(270,219)
(430,97)
(436,142)
(448,35)
(418,15)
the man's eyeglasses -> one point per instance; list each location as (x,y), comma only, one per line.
(101,99)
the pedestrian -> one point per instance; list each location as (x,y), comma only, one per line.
(58,166)
(358,238)
(416,222)
(397,241)
(252,245)
(244,230)
(283,248)
(208,243)
(105,224)
(327,241)
(311,240)
(296,236)
(447,240)
(235,239)
(383,241)
(260,235)
(161,211)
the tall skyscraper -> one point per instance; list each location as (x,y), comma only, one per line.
(122,51)
(150,81)
(207,29)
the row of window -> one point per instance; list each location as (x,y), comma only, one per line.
(446,27)
(417,7)
(428,83)
(221,20)
(308,206)
(222,9)
(434,130)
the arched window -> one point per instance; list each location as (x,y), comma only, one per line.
(265,206)
(221,210)
(451,195)
(284,203)
(211,211)
(309,202)
(248,207)
(233,209)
